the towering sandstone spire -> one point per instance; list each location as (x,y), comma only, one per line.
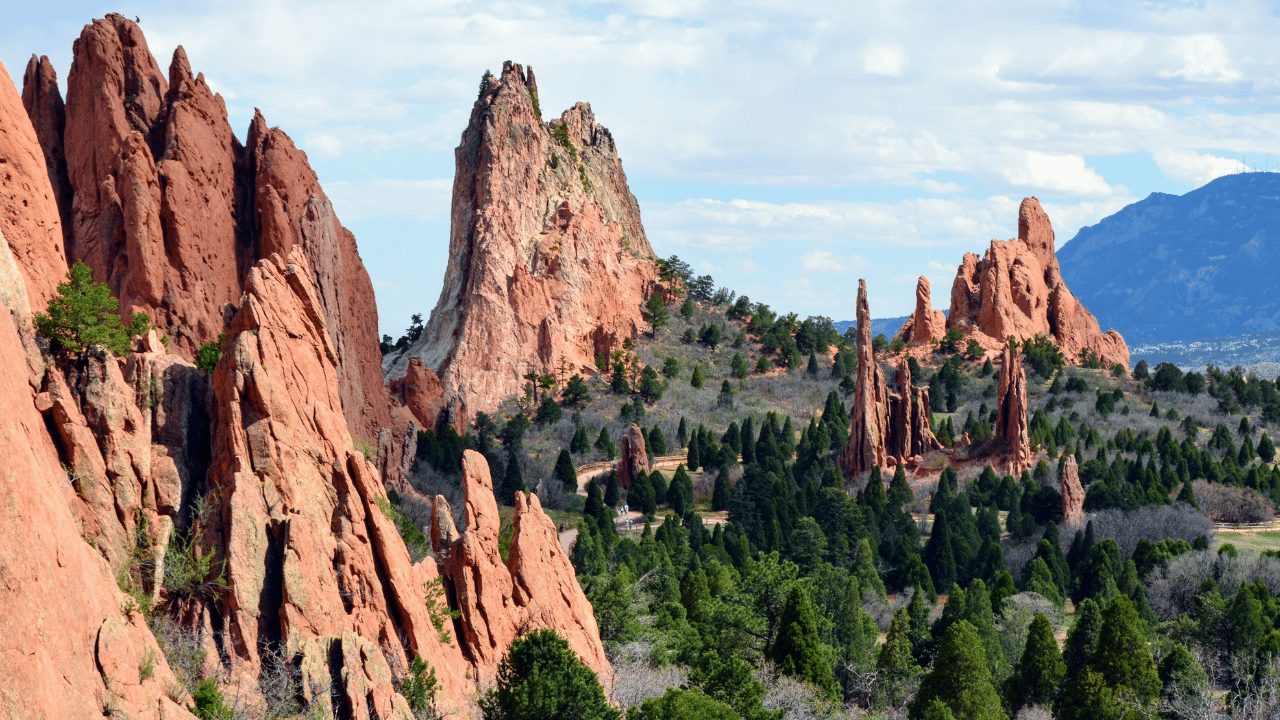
(548,261)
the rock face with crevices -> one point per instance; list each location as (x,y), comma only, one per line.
(535,588)
(1016,291)
(171,210)
(925,324)
(1072,493)
(632,457)
(869,421)
(910,425)
(548,260)
(1011,413)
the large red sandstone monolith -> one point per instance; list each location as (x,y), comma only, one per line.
(632,458)
(925,324)
(1016,290)
(548,260)
(1011,418)
(868,425)
(1072,493)
(910,433)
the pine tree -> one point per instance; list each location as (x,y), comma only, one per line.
(1122,656)
(694,458)
(640,495)
(748,443)
(1083,638)
(1040,580)
(696,379)
(657,442)
(873,494)
(960,679)
(938,555)
(565,472)
(720,495)
(899,491)
(1040,670)
(896,663)
(83,313)
(682,433)
(612,491)
(661,493)
(686,308)
(977,611)
(541,677)
(864,568)
(798,651)
(512,481)
(603,515)
(605,444)
(812,367)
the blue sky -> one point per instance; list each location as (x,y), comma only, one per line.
(785,148)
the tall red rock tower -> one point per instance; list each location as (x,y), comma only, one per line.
(1011,416)
(870,419)
(548,260)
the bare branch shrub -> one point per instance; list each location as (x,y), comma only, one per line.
(1034,712)
(1016,557)
(1172,589)
(797,700)
(183,649)
(636,679)
(1226,504)
(1152,523)
(1015,618)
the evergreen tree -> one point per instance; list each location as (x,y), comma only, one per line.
(83,313)
(864,569)
(937,709)
(678,704)
(738,366)
(1266,449)
(686,308)
(938,554)
(694,457)
(1040,580)
(682,433)
(731,682)
(1082,641)
(696,379)
(896,663)
(960,679)
(977,611)
(612,491)
(640,495)
(565,472)
(605,444)
(680,492)
(812,368)
(748,441)
(1040,670)
(798,651)
(720,495)
(512,480)
(595,508)
(661,492)
(1122,656)
(657,442)
(542,677)
(899,491)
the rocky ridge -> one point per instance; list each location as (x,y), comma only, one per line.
(111,460)
(548,260)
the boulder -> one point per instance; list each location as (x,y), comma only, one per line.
(1072,494)
(1016,290)
(548,261)
(632,458)
(869,422)
(925,324)
(1011,414)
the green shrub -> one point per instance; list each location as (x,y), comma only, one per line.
(209,702)
(210,353)
(83,314)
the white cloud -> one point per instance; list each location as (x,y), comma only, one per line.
(821,261)
(884,59)
(1202,58)
(408,199)
(934,186)
(1189,166)
(1063,173)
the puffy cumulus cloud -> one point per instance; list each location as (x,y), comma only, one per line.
(1062,173)
(1189,166)
(1201,58)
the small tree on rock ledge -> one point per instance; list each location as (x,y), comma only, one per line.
(84,314)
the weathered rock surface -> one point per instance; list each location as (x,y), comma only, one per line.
(171,210)
(632,457)
(422,392)
(1016,291)
(29,220)
(43,103)
(309,553)
(1011,413)
(534,588)
(1072,493)
(869,421)
(66,648)
(924,324)
(910,429)
(548,261)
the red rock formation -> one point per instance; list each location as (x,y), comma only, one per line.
(632,458)
(925,324)
(1011,417)
(423,395)
(1016,291)
(43,103)
(910,431)
(548,261)
(66,647)
(535,588)
(309,553)
(868,426)
(1072,493)
(171,211)
(29,222)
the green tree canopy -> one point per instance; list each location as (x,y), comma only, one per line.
(960,679)
(799,651)
(83,313)
(540,678)
(1035,680)
(678,704)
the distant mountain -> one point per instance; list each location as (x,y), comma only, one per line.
(1175,267)
(887,326)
